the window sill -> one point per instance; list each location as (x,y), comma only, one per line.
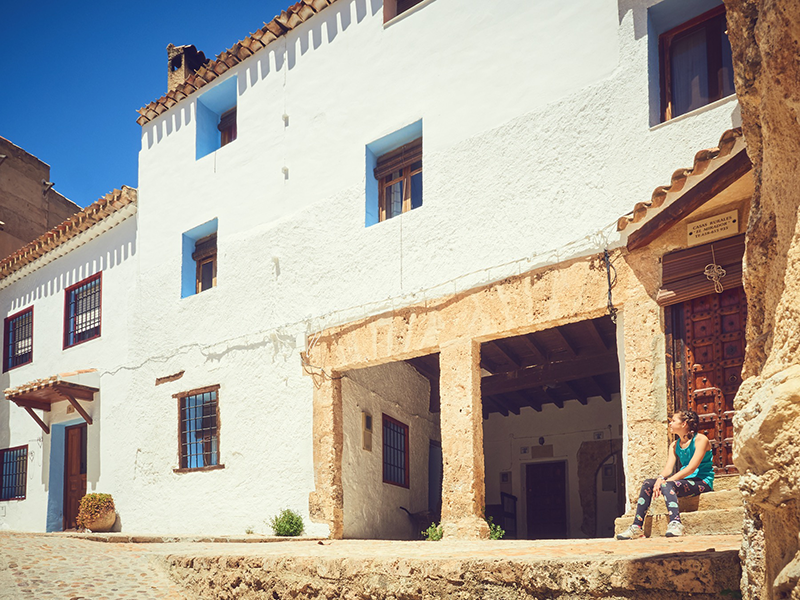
(195,469)
(410,11)
(81,342)
(30,362)
(697,111)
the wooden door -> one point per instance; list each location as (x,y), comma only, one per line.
(546,499)
(708,357)
(74,473)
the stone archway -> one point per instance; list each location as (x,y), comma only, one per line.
(591,456)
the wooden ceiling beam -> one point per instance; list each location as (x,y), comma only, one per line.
(581,397)
(506,354)
(567,346)
(539,354)
(594,333)
(32,403)
(500,406)
(550,374)
(509,404)
(604,393)
(554,398)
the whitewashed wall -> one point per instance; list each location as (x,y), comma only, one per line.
(565,429)
(371,507)
(113,253)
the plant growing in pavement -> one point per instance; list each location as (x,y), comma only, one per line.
(287,523)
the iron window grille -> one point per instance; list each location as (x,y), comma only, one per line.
(199,428)
(395,452)
(13,473)
(82,311)
(18,347)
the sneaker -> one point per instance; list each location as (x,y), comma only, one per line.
(631,533)
(674,529)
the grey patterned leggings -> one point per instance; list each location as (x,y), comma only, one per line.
(671,490)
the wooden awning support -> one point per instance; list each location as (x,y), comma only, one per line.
(40,395)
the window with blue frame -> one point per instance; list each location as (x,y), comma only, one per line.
(18,347)
(199,428)
(696,64)
(82,311)
(216,117)
(13,473)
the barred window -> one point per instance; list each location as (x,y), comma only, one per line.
(395,452)
(82,311)
(13,473)
(199,428)
(18,348)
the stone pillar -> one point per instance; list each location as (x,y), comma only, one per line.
(326,502)
(463,492)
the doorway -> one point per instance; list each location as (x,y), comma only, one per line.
(708,351)
(546,499)
(74,473)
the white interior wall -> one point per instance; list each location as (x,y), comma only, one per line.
(371,507)
(506,438)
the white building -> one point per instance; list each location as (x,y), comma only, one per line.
(262,179)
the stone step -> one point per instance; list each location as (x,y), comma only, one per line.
(716,500)
(707,522)
(726,482)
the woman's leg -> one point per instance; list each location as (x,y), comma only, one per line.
(672,490)
(645,497)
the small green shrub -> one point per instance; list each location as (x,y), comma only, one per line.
(92,506)
(495,531)
(433,533)
(249,531)
(287,523)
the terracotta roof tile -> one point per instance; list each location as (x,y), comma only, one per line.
(283,23)
(702,161)
(62,233)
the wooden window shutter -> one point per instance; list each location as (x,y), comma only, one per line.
(205,247)
(683,276)
(397,159)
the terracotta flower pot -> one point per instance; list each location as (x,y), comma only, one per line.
(103,522)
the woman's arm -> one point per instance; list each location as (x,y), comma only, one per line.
(701,446)
(666,472)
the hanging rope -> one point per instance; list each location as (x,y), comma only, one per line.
(715,272)
(612,310)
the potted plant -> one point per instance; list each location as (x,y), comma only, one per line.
(96,512)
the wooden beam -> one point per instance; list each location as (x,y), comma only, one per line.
(539,354)
(553,396)
(577,393)
(36,418)
(489,365)
(507,355)
(601,388)
(570,350)
(687,203)
(503,403)
(79,408)
(31,403)
(594,333)
(83,392)
(498,404)
(550,374)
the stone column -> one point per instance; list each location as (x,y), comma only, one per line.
(463,492)
(326,503)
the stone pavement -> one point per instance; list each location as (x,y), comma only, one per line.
(58,566)
(39,566)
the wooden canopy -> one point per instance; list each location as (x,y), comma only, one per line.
(41,394)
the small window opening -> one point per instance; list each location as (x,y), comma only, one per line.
(205,255)
(227,127)
(399,173)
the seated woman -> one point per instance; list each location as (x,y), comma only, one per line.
(693,452)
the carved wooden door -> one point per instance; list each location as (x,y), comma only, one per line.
(709,359)
(74,473)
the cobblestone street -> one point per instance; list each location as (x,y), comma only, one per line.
(40,566)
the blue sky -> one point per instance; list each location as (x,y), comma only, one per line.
(75,73)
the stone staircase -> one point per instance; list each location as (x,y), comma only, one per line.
(714,513)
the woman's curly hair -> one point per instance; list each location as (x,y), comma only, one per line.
(690,417)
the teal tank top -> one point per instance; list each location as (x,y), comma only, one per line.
(706,469)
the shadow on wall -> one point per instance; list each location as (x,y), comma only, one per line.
(105,261)
(283,51)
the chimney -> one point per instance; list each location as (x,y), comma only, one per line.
(182,61)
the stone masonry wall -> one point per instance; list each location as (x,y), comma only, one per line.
(765,37)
